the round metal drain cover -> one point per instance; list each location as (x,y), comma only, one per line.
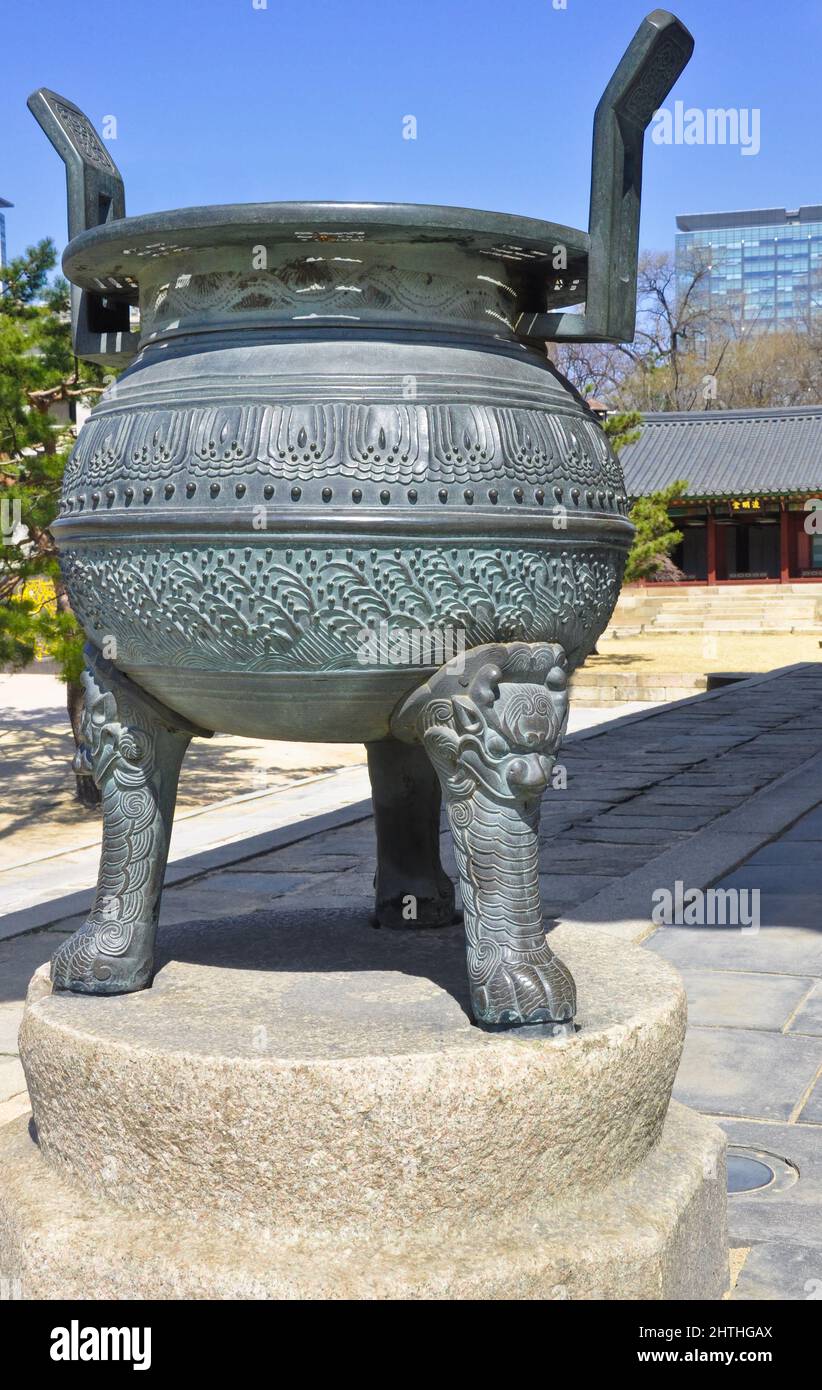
(745,1174)
(750,1170)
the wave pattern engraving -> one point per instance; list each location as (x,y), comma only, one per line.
(260,607)
(313,285)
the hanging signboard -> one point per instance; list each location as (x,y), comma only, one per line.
(745,504)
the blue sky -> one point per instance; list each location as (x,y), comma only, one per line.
(217,101)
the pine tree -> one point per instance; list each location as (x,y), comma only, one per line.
(622,427)
(38,370)
(656,535)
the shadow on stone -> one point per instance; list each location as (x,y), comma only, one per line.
(299,941)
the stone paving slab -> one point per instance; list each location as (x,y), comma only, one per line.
(786,908)
(787,851)
(811,1112)
(789,1214)
(215,827)
(808,1017)
(771,950)
(771,879)
(808,829)
(782,1271)
(739,999)
(9,1024)
(58,908)
(12,1079)
(747,1072)
(20,958)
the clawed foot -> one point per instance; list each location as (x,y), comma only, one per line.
(524,989)
(83,965)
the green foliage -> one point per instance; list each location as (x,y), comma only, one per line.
(623,427)
(17,635)
(37,370)
(62,637)
(25,280)
(655,535)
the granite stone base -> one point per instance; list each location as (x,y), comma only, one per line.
(301,1107)
(658,1234)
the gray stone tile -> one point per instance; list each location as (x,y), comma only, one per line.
(811,1112)
(188,904)
(776,805)
(797,911)
(20,957)
(10,1016)
(668,819)
(353,839)
(700,778)
(571,888)
(696,861)
(12,1080)
(350,885)
(772,950)
(809,827)
(791,910)
(736,999)
(808,1018)
(627,835)
(246,881)
(669,794)
(782,1271)
(735,1071)
(68,925)
(607,861)
(785,853)
(792,1215)
(303,858)
(778,880)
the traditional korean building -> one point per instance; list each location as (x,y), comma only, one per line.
(749,474)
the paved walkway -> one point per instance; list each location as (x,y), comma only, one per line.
(230,789)
(753,1054)
(719,790)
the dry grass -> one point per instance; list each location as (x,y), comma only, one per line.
(699,653)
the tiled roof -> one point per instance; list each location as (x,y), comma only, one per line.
(727,453)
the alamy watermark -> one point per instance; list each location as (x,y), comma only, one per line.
(411,646)
(76,1343)
(11,518)
(713,126)
(706,907)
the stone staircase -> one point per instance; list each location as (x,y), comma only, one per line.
(597,687)
(754,608)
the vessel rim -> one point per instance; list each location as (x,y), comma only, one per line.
(89,255)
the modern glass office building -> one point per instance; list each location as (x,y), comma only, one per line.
(764,266)
(3,204)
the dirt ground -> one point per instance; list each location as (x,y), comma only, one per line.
(698,653)
(36,749)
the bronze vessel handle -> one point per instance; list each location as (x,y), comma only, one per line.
(656,56)
(99,322)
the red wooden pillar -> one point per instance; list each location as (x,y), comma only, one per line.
(710,545)
(784,542)
(803,542)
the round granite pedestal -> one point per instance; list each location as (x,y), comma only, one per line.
(303,1109)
